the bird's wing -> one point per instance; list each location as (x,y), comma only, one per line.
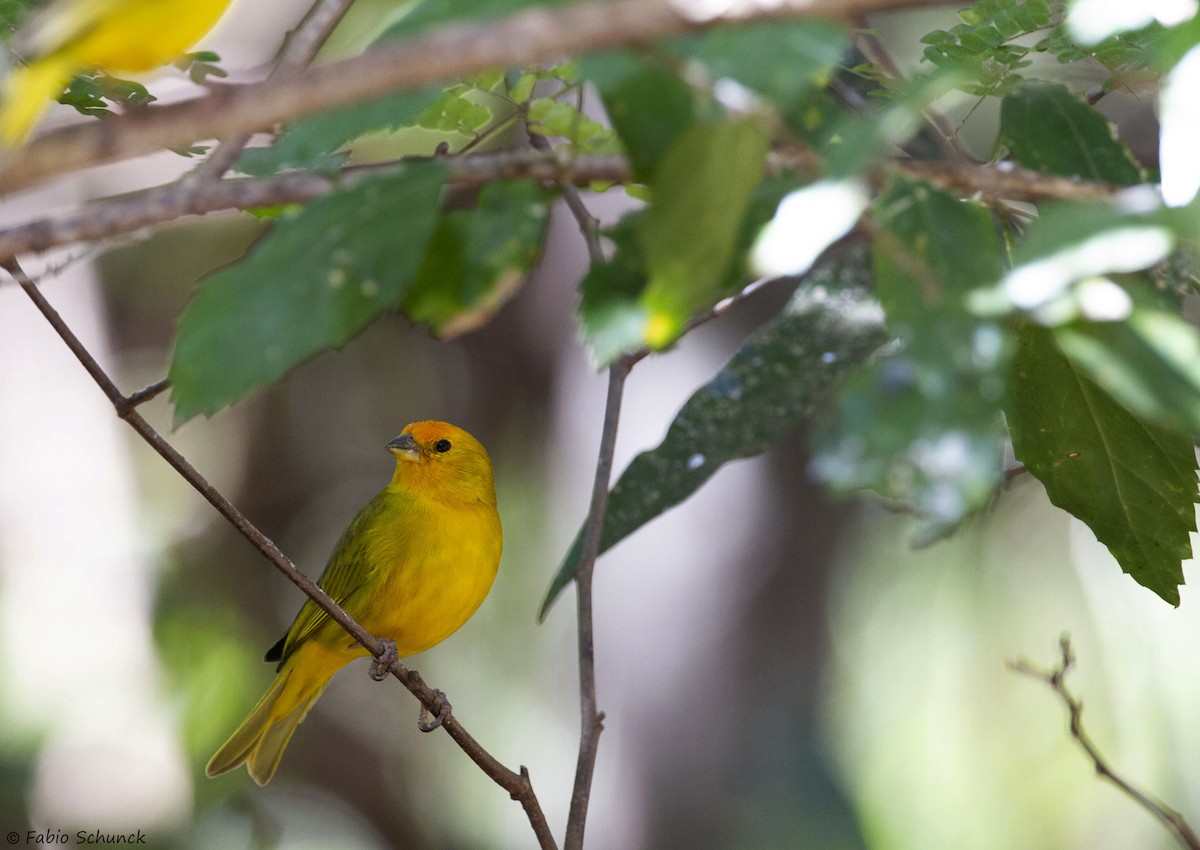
(348,570)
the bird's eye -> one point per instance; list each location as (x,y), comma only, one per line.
(441,446)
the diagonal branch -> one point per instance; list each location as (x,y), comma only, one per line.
(522,39)
(1055,678)
(517,784)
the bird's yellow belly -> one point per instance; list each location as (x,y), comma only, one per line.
(424,601)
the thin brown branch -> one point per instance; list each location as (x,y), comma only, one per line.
(591,718)
(523,39)
(589,225)
(517,784)
(163,205)
(1055,678)
(146,393)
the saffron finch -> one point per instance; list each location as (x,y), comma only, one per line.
(65,37)
(412,566)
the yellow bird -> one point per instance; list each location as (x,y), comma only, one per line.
(66,37)
(412,566)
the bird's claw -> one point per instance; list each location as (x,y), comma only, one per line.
(442,706)
(382,666)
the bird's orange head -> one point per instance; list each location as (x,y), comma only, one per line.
(443,461)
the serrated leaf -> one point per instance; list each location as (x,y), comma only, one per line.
(311,283)
(477,259)
(1132,483)
(773,383)
(701,190)
(1150,363)
(1046,128)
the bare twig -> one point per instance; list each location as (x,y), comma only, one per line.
(1055,678)
(589,225)
(146,393)
(517,784)
(591,718)
(526,38)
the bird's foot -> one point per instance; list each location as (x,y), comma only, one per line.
(382,666)
(442,706)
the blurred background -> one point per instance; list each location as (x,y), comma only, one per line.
(778,671)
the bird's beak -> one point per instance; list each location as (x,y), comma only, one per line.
(404,447)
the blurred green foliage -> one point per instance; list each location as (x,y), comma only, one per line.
(696,117)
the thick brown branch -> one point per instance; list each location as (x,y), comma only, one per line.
(1004,181)
(517,784)
(1055,678)
(527,38)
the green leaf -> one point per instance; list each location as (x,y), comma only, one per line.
(702,190)
(1069,251)
(549,117)
(650,109)
(478,258)
(1150,363)
(611,308)
(1132,483)
(773,383)
(922,425)
(802,54)
(309,143)
(1046,128)
(314,281)
(613,320)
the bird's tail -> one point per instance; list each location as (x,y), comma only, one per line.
(264,734)
(27,90)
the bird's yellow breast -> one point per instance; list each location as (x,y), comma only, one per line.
(435,565)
